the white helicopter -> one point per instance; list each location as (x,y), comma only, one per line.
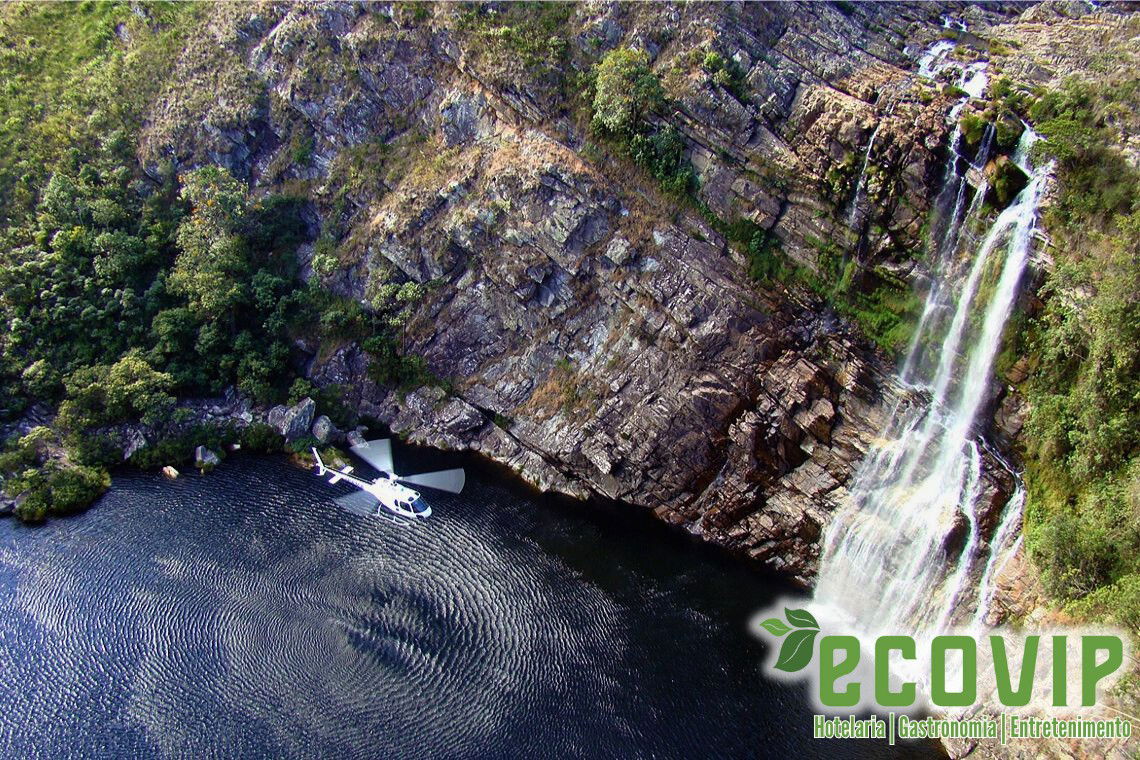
(388,490)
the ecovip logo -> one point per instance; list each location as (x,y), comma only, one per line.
(1017,677)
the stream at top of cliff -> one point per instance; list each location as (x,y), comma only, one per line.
(243,614)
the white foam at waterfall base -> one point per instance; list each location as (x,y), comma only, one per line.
(888,565)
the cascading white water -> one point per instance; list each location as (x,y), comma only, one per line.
(1000,554)
(934,59)
(938,302)
(853,214)
(887,564)
(972,80)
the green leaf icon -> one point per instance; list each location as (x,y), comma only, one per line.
(797,650)
(775,626)
(801,618)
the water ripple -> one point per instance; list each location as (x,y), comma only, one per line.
(242,614)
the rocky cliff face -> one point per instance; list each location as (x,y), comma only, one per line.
(598,335)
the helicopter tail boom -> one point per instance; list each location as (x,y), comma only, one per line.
(337,475)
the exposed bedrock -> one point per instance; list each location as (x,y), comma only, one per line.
(595,334)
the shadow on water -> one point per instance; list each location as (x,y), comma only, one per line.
(243,613)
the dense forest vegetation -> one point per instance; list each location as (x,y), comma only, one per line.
(123,290)
(1083,433)
(122,293)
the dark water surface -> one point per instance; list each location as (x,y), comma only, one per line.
(242,614)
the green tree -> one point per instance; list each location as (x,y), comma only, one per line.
(625,91)
(128,389)
(57,490)
(212,265)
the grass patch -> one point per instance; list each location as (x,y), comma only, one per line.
(73,75)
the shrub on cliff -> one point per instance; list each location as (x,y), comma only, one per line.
(391,368)
(626,89)
(663,154)
(261,438)
(518,44)
(726,73)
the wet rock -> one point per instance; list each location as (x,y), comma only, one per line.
(133,440)
(323,429)
(355,437)
(955,537)
(276,416)
(1019,371)
(995,488)
(1011,415)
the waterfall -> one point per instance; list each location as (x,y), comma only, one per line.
(954,184)
(1000,554)
(852,216)
(972,80)
(934,59)
(900,556)
(983,155)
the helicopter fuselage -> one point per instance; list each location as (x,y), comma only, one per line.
(395,497)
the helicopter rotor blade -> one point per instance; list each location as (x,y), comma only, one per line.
(442,480)
(359,503)
(377,453)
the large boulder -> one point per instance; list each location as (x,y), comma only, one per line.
(323,429)
(276,416)
(133,440)
(356,437)
(293,422)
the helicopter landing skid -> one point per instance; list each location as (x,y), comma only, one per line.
(395,519)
